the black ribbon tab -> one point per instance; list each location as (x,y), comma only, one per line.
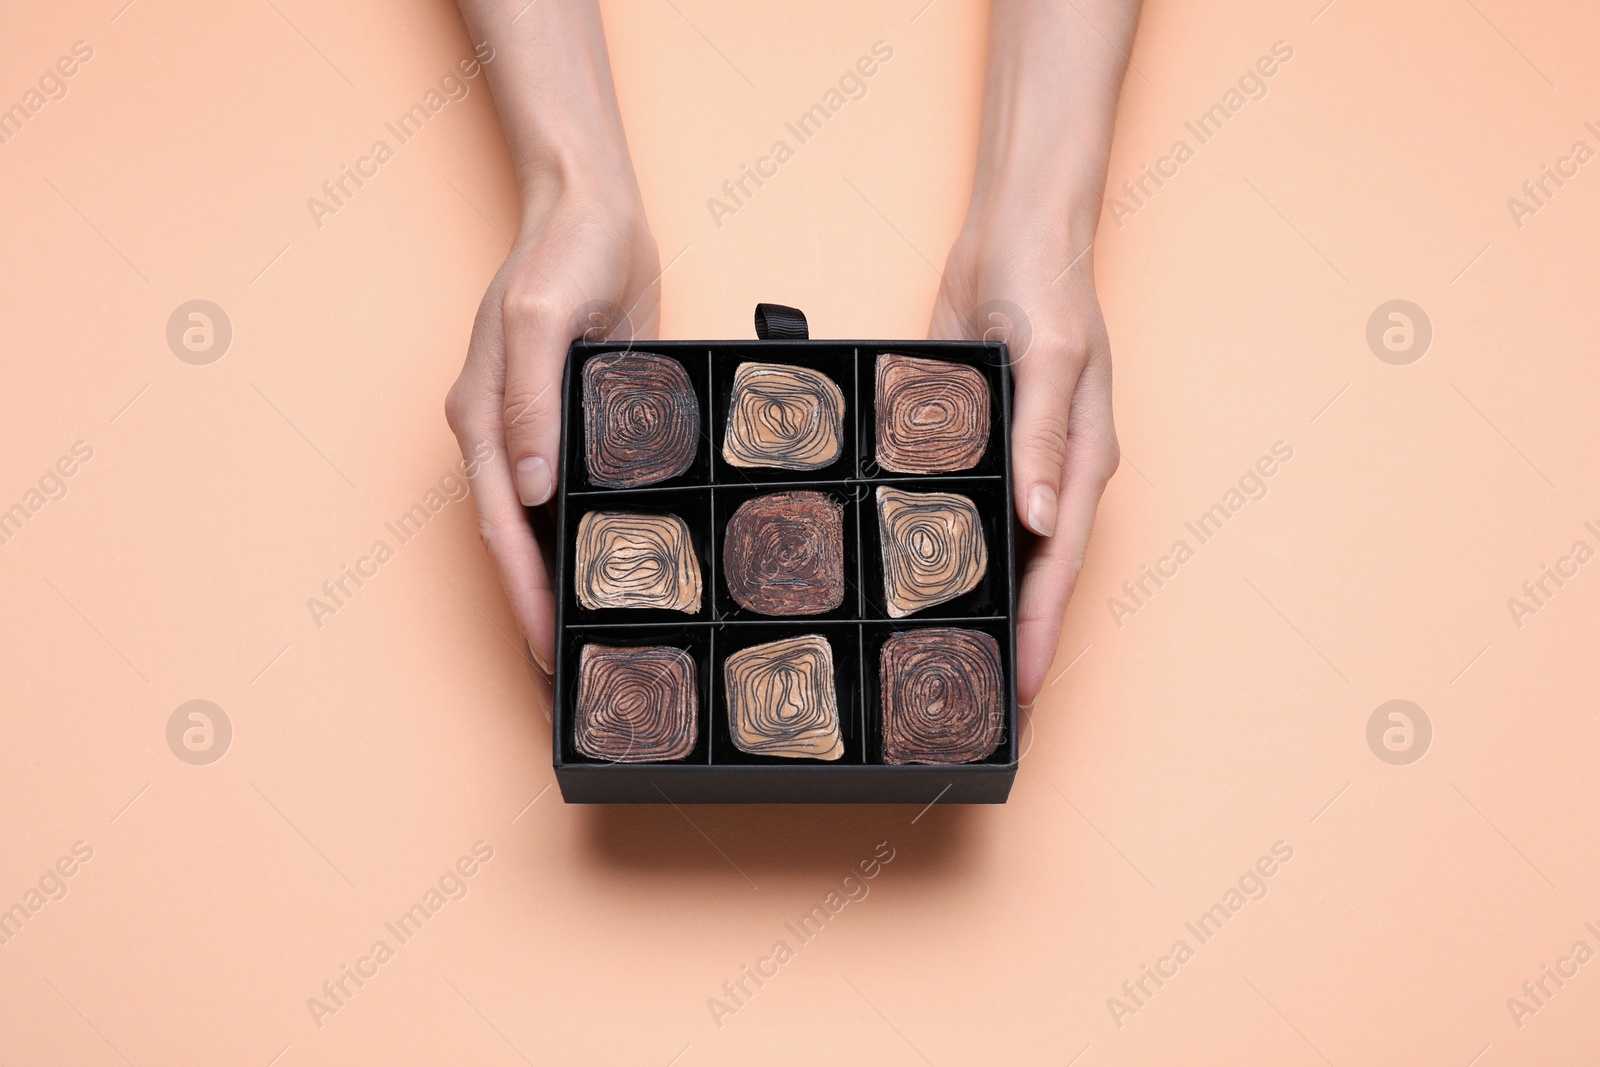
(775,322)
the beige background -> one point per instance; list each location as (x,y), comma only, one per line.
(1228,713)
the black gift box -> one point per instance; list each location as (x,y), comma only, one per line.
(704,496)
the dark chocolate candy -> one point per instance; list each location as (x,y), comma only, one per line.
(635,705)
(641,421)
(932,416)
(783,554)
(942,694)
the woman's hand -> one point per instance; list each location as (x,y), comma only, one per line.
(583,265)
(1022,271)
(1034,289)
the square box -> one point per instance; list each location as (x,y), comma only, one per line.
(718,771)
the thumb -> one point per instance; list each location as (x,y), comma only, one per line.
(537,336)
(1044,388)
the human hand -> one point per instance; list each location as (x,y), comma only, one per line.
(583,265)
(1022,271)
(1030,285)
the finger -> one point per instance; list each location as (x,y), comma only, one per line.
(1052,572)
(474,411)
(1046,376)
(537,333)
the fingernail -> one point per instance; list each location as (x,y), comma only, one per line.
(543,666)
(533,481)
(1042,510)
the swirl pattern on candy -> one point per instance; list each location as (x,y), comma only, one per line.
(632,560)
(781,699)
(932,416)
(783,554)
(787,417)
(641,421)
(933,548)
(943,696)
(635,705)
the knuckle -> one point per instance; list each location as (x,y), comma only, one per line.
(1065,342)
(1046,440)
(526,303)
(525,408)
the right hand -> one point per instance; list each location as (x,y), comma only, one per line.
(583,265)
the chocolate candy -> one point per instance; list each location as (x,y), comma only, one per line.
(781,699)
(943,696)
(635,560)
(641,421)
(786,417)
(783,554)
(932,416)
(933,548)
(635,705)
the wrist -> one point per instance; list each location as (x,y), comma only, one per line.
(590,171)
(1043,210)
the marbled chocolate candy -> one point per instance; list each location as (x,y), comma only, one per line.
(635,705)
(641,421)
(943,696)
(635,560)
(933,548)
(932,416)
(781,699)
(786,417)
(783,554)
